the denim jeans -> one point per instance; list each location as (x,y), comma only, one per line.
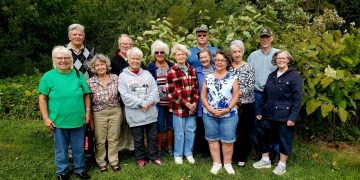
(184,131)
(164,116)
(62,139)
(223,129)
(279,132)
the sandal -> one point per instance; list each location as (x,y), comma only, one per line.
(115,168)
(102,169)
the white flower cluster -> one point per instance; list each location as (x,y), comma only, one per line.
(330,72)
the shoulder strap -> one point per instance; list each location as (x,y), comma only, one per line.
(77,73)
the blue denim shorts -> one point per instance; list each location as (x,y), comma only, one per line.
(223,129)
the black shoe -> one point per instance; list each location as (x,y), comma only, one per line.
(82,175)
(63,177)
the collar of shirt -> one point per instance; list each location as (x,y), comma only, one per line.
(70,46)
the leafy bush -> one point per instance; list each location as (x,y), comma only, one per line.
(327,59)
(19,97)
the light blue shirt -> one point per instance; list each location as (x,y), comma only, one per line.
(262,65)
(193,59)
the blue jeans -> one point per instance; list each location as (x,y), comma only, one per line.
(223,129)
(164,116)
(62,139)
(184,131)
(281,133)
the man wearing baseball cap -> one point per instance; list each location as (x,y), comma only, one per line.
(260,60)
(202,38)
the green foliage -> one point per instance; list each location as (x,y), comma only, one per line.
(19,97)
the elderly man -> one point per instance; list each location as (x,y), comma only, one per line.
(118,63)
(81,53)
(202,38)
(260,60)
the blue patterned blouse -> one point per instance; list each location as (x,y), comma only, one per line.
(219,93)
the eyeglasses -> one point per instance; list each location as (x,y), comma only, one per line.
(126,44)
(159,52)
(220,60)
(62,58)
(201,35)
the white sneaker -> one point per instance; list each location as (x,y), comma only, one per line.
(178,160)
(262,164)
(229,169)
(216,168)
(190,159)
(279,170)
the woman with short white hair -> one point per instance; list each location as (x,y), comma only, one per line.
(182,89)
(140,94)
(246,79)
(64,101)
(159,70)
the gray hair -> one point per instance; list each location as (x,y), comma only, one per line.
(237,43)
(290,58)
(76,26)
(61,50)
(180,47)
(102,58)
(124,35)
(159,45)
(134,51)
(202,51)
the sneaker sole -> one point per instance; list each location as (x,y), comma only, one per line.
(280,173)
(262,167)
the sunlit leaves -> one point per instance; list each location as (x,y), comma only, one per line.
(311,106)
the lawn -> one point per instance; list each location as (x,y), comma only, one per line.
(26,152)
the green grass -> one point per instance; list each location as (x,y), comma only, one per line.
(26,152)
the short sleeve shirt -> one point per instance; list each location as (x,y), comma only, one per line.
(219,92)
(65,97)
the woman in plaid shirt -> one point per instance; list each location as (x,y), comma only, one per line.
(182,89)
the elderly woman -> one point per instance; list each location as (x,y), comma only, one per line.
(64,102)
(206,68)
(281,108)
(140,94)
(246,77)
(158,69)
(219,95)
(182,89)
(106,112)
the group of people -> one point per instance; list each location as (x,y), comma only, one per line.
(206,95)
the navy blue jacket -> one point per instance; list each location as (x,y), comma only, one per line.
(151,67)
(282,96)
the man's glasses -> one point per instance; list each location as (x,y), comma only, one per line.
(159,52)
(201,35)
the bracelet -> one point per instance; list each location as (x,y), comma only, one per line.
(229,109)
(87,109)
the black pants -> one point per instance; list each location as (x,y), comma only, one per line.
(242,145)
(139,144)
(200,145)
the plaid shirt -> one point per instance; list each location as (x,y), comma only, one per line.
(181,89)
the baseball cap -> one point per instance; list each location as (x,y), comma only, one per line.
(265,31)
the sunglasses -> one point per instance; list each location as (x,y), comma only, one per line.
(201,35)
(159,52)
